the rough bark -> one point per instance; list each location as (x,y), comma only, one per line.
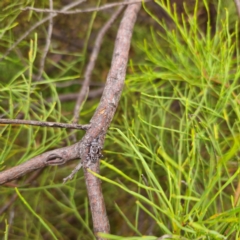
(99,125)
(103,116)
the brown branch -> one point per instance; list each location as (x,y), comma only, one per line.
(87,75)
(48,42)
(100,122)
(55,157)
(104,7)
(104,114)
(45,124)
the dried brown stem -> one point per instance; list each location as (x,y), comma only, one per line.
(45,124)
(100,122)
(48,42)
(104,7)
(54,157)
(87,75)
(104,114)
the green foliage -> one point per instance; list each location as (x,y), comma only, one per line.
(171,166)
(178,134)
(43,209)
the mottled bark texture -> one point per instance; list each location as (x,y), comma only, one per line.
(104,114)
(54,157)
(99,124)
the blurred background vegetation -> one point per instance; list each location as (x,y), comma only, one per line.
(171,156)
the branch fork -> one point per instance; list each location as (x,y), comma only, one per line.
(100,122)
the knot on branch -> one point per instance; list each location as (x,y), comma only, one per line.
(55,159)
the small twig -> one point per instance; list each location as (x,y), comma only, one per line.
(104,7)
(75,170)
(88,72)
(45,124)
(48,42)
(69,6)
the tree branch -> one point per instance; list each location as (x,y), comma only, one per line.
(48,42)
(103,116)
(87,75)
(55,157)
(76,11)
(45,124)
(100,122)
